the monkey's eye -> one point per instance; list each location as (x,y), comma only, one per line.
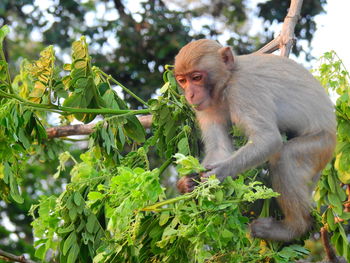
(181,81)
(197,77)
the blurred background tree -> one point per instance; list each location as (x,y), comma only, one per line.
(132,40)
(135,45)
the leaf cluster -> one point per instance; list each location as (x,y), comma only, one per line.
(333,191)
(122,215)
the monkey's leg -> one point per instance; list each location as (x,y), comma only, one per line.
(293,173)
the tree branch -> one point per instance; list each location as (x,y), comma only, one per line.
(329,250)
(13,258)
(286,39)
(84,129)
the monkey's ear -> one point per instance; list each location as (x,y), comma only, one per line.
(227,57)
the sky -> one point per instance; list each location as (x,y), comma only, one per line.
(333,31)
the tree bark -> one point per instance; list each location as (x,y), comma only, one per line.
(13,258)
(286,39)
(84,129)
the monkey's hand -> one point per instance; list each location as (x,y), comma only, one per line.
(187,183)
(221,170)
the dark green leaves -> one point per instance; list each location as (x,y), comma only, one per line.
(330,191)
(5,82)
(174,123)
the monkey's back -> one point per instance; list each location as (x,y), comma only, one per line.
(285,91)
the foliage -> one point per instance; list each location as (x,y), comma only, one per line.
(114,208)
(332,190)
(121,213)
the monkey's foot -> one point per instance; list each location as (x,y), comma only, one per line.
(270,229)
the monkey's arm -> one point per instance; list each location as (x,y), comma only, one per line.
(217,142)
(264,140)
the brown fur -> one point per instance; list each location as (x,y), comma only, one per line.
(265,95)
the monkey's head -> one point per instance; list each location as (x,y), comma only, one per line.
(202,69)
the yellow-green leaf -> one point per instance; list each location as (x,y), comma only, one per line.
(38,91)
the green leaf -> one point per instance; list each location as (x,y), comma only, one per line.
(73,253)
(75,101)
(40,252)
(226,234)
(7,172)
(23,139)
(90,225)
(183,146)
(164,217)
(134,129)
(219,195)
(3,32)
(69,242)
(335,201)
(67,229)
(14,192)
(164,88)
(73,213)
(331,183)
(330,219)
(169,231)
(78,198)
(94,196)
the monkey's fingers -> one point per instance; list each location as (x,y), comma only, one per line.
(191,185)
(187,183)
(207,174)
(209,167)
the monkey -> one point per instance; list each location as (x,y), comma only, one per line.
(266,96)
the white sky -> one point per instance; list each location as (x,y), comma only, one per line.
(333,31)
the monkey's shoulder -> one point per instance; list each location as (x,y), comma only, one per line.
(272,67)
(266,60)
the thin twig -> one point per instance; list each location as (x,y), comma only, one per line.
(330,253)
(13,258)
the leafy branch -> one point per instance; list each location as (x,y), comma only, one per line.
(69,110)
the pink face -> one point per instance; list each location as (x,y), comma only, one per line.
(195,87)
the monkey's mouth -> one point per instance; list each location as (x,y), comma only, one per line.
(199,106)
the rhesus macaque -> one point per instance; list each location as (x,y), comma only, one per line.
(266,96)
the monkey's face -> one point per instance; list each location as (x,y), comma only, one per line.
(196,88)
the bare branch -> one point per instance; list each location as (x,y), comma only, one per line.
(64,131)
(330,253)
(286,39)
(13,258)
(84,129)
